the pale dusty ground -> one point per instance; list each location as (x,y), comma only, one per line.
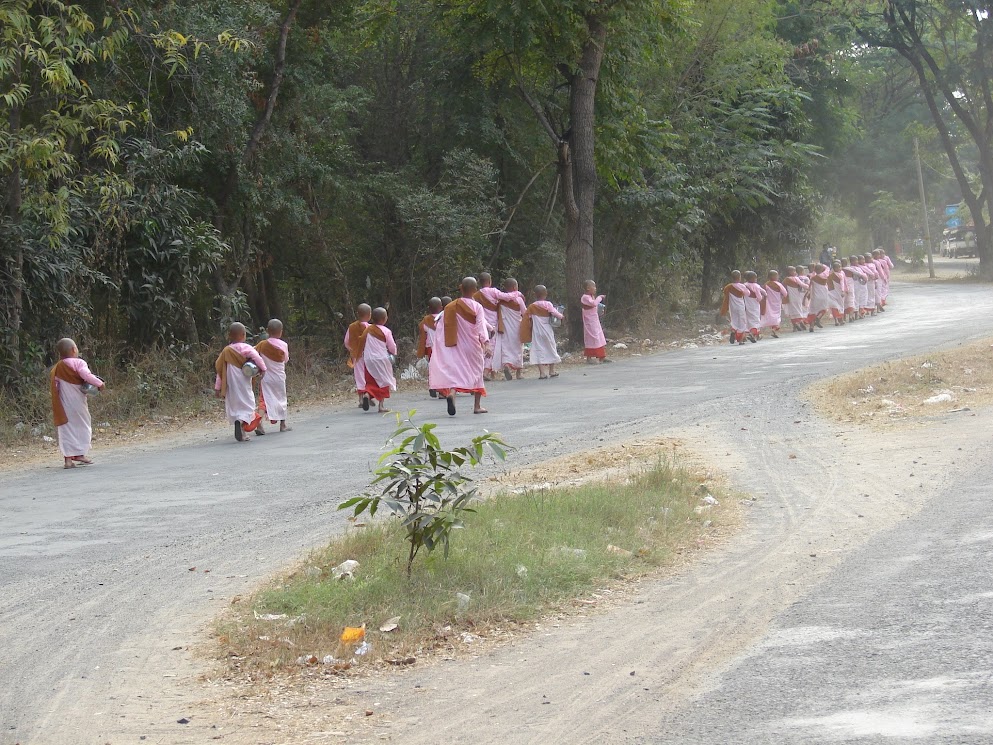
(912,392)
(659,647)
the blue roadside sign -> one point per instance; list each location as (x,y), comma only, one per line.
(951,212)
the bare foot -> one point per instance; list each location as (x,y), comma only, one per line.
(480,411)
(83,460)
(284,428)
(69,464)
(384,411)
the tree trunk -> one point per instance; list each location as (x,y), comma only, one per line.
(272,292)
(577,166)
(707,278)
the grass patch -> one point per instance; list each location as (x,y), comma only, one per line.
(896,392)
(519,558)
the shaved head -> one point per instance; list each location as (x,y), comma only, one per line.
(485,279)
(540,292)
(237,332)
(434,304)
(510,284)
(274,327)
(468,286)
(379,315)
(65,347)
(446,300)
(363,311)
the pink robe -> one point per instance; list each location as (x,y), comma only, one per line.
(753,304)
(273,385)
(508,351)
(494,295)
(376,359)
(776,293)
(239,401)
(593,337)
(358,370)
(75,436)
(544,350)
(460,368)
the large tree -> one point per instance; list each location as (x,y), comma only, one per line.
(560,58)
(949,46)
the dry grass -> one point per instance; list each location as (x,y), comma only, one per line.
(895,392)
(521,557)
(161,386)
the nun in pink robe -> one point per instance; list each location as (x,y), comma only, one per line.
(379,376)
(358,366)
(776,295)
(754,301)
(544,350)
(594,342)
(794,302)
(871,274)
(273,384)
(733,308)
(76,434)
(508,351)
(457,361)
(819,301)
(836,295)
(239,398)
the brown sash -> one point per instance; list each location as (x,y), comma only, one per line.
(527,323)
(228,356)
(426,323)
(370,330)
(62,371)
(271,351)
(729,289)
(355,331)
(452,311)
(488,304)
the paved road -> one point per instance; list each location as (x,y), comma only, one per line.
(94,564)
(895,646)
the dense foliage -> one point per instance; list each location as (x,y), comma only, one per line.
(168,167)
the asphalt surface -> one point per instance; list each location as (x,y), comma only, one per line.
(97,574)
(895,646)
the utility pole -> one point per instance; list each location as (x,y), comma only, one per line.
(927,225)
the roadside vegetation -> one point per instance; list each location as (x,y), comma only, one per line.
(520,557)
(914,389)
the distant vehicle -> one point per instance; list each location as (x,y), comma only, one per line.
(957,243)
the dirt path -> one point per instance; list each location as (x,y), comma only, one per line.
(607,677)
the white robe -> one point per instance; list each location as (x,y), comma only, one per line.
(75,436)
(507,347)
(239,400)
(544,351)
(273,385)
